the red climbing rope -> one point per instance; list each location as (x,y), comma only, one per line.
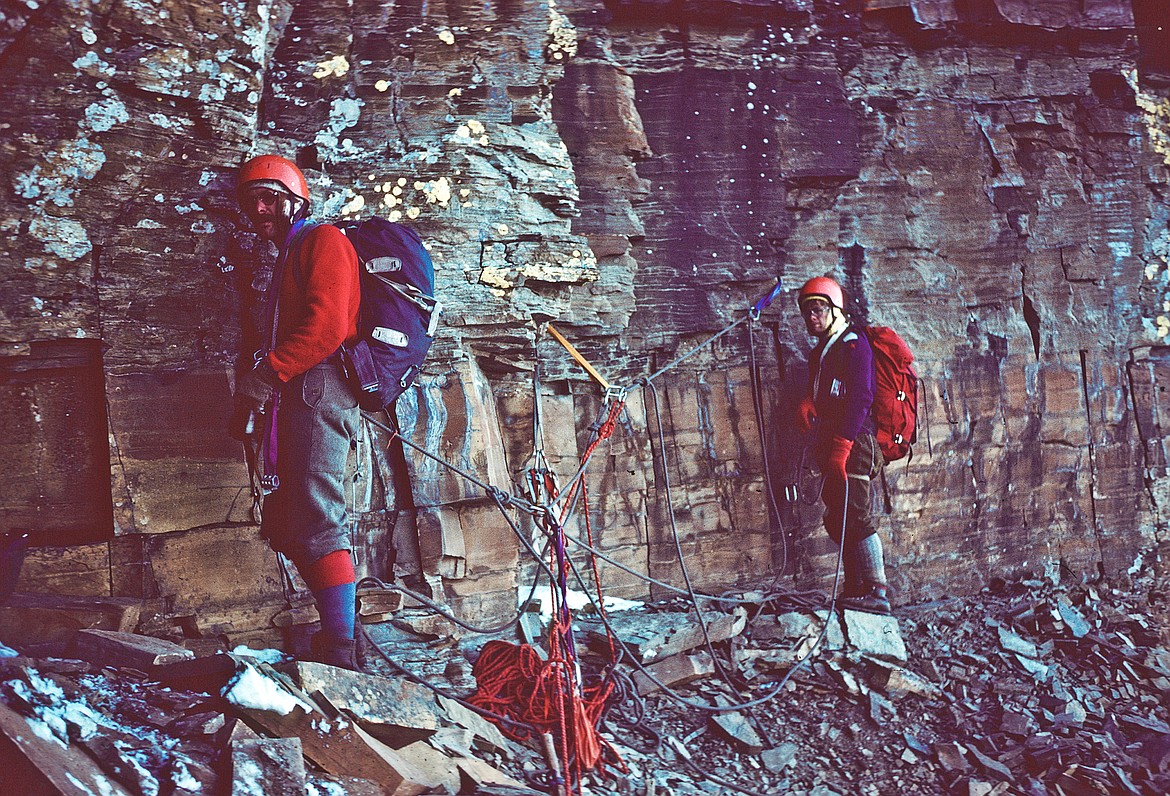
(514,682)
(604,431)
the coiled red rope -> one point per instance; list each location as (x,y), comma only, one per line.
(513,681)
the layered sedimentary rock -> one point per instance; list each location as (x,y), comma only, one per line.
(988,178)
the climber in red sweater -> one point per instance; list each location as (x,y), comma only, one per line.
(297,382)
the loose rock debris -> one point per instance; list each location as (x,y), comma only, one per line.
(1023,689)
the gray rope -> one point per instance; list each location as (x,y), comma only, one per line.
(677,360)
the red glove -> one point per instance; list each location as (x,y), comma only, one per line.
(806,413)
(837,455)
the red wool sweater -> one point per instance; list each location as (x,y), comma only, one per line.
(319,297)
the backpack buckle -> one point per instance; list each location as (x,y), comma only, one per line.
(433,321)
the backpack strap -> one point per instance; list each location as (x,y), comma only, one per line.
(863,331)
(824,353)
(294,249)
(405,290)
(291,253)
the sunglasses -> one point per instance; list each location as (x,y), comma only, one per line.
(815,308)
(265,196)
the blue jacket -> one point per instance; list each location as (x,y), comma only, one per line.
(843,393)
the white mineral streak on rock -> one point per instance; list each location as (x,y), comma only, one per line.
(255,37)
(425,399)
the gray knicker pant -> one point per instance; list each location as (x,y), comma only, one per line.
(317,425)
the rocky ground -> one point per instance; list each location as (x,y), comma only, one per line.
(1026,688)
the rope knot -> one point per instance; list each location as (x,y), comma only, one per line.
(605,430)
(502,498)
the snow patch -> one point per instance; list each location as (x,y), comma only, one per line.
(579,600)
(250,689)
(269,656)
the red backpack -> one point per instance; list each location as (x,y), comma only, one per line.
(895,403)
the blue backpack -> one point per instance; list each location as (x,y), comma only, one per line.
(398,314)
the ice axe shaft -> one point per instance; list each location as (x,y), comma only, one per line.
(581,360)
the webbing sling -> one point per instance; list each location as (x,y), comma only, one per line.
(269,449)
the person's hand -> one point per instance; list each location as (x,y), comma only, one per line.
(838,454)
(806,413)
(254,390)
(256,386)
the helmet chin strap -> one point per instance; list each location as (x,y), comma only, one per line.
(293,208)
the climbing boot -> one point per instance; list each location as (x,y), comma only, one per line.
(339,652)
(874,599)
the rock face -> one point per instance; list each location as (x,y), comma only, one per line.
(989,178)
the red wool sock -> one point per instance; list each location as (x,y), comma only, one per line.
(335,569)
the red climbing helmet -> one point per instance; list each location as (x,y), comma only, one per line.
(273,169)
(822,287)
